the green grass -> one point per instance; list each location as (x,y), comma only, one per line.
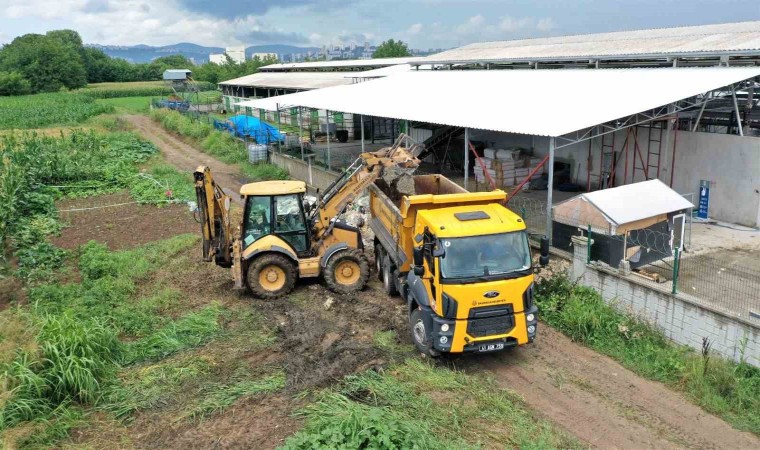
(136,89)
(128,105)
(419,405)
(219,397)
(44,110)
(722,387)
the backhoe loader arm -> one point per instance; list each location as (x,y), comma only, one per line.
(214,212)
(367,168)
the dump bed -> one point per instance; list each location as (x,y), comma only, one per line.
(393,219)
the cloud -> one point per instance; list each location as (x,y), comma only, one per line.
(546,24)
(472,24)
(96,6)
(272,37)
(415,29)
(231,9)
(510,24)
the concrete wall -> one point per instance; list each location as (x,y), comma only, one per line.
(681,318)
(315,177)
(732,165)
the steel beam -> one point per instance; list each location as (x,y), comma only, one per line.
(549,192)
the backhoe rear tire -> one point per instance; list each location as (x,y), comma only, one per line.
(347,271)
(271,276)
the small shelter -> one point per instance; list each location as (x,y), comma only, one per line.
(177,74)
(640,222)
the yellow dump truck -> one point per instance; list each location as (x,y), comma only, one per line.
(461,260)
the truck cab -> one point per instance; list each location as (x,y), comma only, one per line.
(471,288)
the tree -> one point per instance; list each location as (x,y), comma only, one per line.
(46,62)
(391,49)
(13,83)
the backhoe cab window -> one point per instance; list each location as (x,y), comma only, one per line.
(490,255)
(258,219)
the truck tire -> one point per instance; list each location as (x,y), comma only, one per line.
(387,275)
(379,255)
(271,276)
(421,335)
(347,271)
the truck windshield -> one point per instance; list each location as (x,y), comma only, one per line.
(490,255)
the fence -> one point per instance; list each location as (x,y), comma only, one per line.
(721,279)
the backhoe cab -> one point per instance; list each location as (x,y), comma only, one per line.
(280,238)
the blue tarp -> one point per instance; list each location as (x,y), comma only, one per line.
(261,132)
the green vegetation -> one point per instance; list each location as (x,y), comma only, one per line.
(419,405)
(727,389)
(220,396)
(136,89)
(221,145)
(42,110)
(391,49)
(35,63)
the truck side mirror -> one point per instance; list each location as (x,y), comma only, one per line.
(544,258)
(417,256)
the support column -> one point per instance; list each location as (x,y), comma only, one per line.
(550,189)
(580,249)
(361,119)
(279,144)
(300,130)
(466,156)
(738,113)
(327,117)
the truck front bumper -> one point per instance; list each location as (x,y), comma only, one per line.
(444,330)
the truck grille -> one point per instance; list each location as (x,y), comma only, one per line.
(490,320)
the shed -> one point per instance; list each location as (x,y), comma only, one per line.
(177,74)
(646,219)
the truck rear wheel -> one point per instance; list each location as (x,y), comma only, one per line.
(421,335)
(347,271)
(389,286)
(271,276)
(379,255)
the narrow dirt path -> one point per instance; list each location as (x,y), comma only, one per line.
(601,402)
(185,157)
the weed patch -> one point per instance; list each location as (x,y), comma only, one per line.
(418,405)
(722,387)
(220,396)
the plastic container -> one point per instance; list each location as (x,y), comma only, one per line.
(257,153)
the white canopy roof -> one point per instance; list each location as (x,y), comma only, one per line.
(629,203)
(536,102)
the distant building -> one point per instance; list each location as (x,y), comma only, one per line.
(236,54)
(263,56)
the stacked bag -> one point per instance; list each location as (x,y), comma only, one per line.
(507,168)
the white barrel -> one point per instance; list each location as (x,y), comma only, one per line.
(257,153)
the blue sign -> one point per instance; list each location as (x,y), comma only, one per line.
(704,199)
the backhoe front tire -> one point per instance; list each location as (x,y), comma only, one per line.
(271,276)
(347,271)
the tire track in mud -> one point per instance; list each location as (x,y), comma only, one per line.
(602,403)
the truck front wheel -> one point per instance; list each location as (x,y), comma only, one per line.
(347,271)
(421,335)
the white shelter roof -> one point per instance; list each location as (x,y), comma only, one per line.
(342,64)
(290,80)
(741,37)
(633,202)
(535,102)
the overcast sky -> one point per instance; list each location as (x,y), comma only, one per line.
(422,23)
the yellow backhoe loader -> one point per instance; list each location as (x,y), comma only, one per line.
(282,238)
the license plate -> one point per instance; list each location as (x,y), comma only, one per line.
(490,347)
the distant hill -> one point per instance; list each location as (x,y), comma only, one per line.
(197,53)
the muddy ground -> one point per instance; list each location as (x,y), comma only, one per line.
(322,337)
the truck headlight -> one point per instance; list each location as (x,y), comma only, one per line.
(530,317)
(531,329)
(445,327)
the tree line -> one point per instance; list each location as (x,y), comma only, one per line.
(35,63)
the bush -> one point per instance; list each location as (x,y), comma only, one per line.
(13,83)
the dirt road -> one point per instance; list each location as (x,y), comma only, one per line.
(601,402)
(589,395)
(186,157)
